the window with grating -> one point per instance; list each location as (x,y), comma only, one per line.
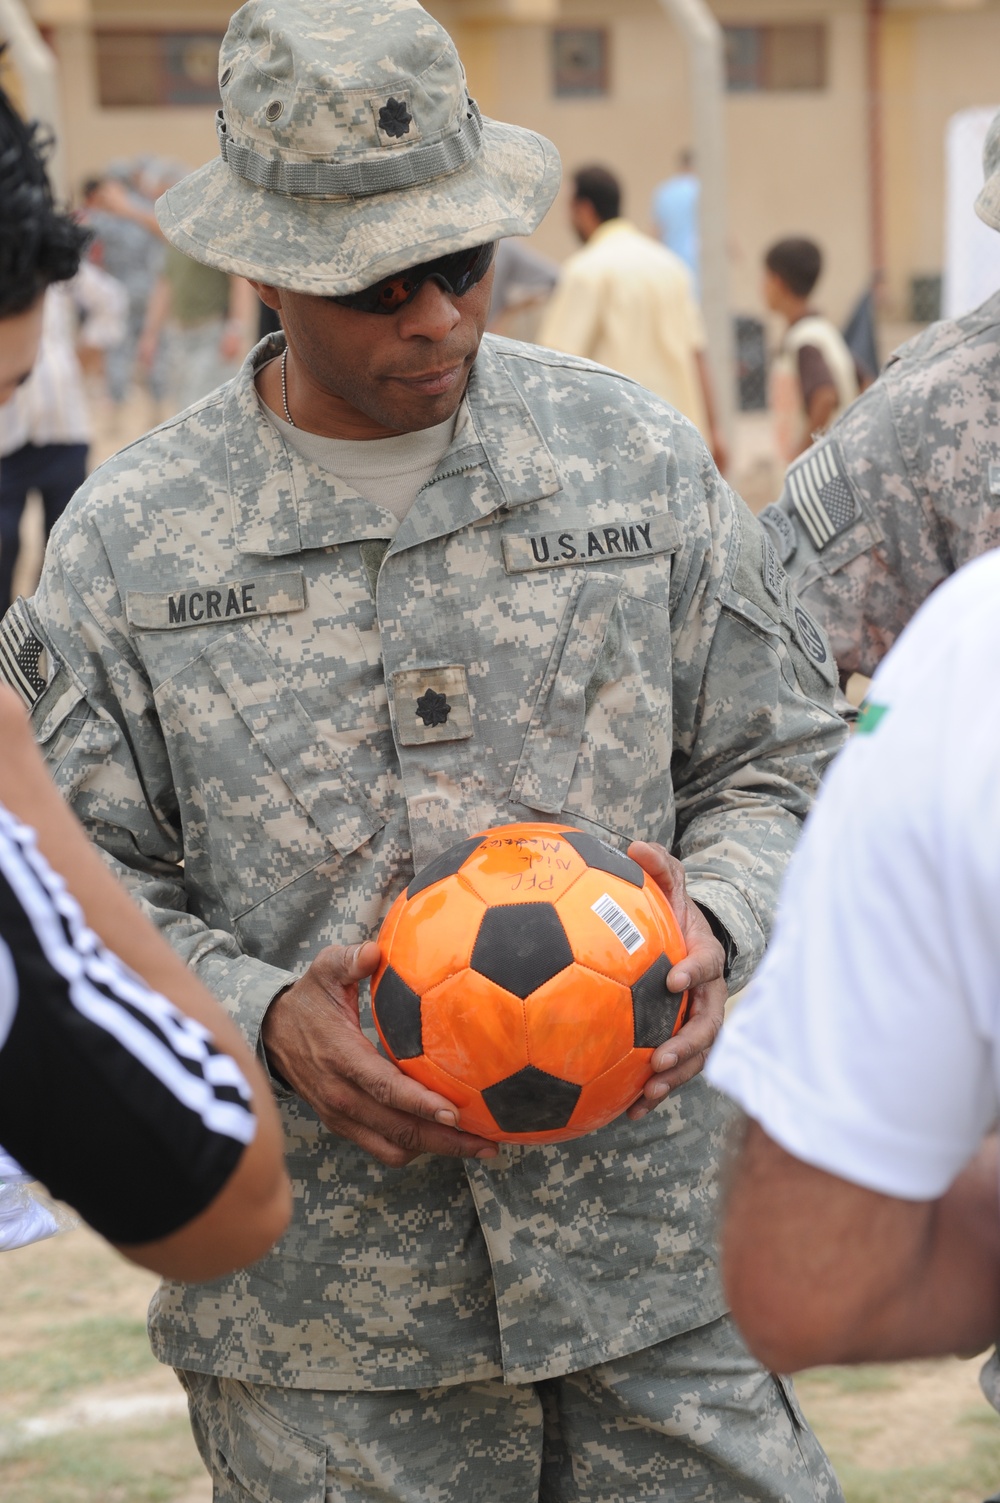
(143,68)
(775,57)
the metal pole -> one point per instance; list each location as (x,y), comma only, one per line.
(706,58)
(873,11)
(38,74)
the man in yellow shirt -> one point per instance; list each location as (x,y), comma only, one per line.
(628,303)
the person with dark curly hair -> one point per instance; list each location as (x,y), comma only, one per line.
(45,422)
(39,245)
(123,1087)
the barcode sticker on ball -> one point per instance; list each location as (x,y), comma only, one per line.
(618,922)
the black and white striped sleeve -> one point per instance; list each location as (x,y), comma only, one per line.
(119,1103)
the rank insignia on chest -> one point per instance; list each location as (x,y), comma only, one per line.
(431,704)
(822,495)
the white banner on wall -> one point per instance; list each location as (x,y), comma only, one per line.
(971,250)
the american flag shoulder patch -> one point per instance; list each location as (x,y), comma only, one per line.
(24,659)
(822,495)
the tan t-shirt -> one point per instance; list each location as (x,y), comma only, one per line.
(388,472)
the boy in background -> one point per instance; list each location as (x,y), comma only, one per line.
(813,377)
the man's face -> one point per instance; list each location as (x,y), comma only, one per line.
(19,338)
(368,375)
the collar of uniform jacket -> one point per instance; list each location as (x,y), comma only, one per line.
(282,503)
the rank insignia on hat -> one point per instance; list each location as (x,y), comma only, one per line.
(822,495)
(24,662)
(394,118)
(433,708)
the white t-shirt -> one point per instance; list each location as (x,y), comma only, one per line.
(868,1042)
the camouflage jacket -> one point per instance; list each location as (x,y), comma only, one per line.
(901,492)
(223,659)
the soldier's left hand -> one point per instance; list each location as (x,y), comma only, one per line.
(700,973)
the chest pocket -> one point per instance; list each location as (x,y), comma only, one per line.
(599,743)
(273,804)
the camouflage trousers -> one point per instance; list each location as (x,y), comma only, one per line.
(692,1420)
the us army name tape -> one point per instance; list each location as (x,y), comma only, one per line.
(616,540)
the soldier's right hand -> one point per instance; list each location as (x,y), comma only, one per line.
(313,1040)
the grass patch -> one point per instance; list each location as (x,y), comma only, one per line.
(152,1465)
(870,1378)
(105,1349)
(968,1480)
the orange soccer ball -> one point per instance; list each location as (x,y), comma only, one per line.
(523,976)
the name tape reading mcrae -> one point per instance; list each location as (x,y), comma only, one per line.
(211,604)
(587,545)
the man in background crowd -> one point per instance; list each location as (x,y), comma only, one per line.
(905,488)
(130,250)
(675,214)
(207,319)
(522,280)
(628,303)
(813,377)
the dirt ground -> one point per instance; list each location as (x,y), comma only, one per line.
(87,1416)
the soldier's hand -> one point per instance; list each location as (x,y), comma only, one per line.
(313,1040)
(700,972)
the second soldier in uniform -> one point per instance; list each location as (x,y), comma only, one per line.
(905,488)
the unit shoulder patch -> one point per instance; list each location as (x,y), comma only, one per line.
(773,574)
(822,495)
(809,635)
(782,530)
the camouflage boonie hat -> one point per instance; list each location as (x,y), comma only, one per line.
(988,202)
(350,149)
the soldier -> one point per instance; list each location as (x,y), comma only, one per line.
(905,488)
(390,586)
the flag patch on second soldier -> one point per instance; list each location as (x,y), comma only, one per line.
(24,662)
(822,495)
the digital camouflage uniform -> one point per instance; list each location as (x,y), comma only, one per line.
(225,663)
(905,488)
(616,640)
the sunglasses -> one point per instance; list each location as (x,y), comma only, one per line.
(457,274)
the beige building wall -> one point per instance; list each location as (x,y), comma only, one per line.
(799,162)
(935,63)
(96,136)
